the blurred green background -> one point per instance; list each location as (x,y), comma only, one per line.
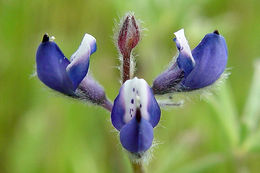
(43,132)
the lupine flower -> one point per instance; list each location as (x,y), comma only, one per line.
(69,77)
(194,69)
(135,113)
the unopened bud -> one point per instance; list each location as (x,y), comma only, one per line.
(129,35)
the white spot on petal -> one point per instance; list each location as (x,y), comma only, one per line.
(132,100)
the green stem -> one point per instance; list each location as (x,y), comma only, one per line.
(138,167)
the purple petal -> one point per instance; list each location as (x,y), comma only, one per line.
(118,112)
(137,135)
(135,93)
(78,68)
(51,67)
(166,82)
(153,109)
(211,58)
(92,91)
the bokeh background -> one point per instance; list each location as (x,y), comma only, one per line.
(44,132)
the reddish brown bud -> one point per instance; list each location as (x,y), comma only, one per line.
(129,35)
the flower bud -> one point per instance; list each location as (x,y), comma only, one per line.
(128,36)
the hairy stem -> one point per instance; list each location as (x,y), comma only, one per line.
(126,67)
(107,105)
(138,167)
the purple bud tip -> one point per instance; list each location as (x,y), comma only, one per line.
(45,38)
(216,32)
(129,35)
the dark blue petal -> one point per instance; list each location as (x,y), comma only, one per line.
(51,67)
(118,112)
(210,62)
(153,109)
(137,136)
(78,68)
(185,64)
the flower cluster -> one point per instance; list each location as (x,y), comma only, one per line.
(135,111)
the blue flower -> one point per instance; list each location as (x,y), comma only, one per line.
(194,69)
(70,77)
(135,113)
(56,71)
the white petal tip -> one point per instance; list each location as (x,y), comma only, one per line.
(183,44)
(89,40)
